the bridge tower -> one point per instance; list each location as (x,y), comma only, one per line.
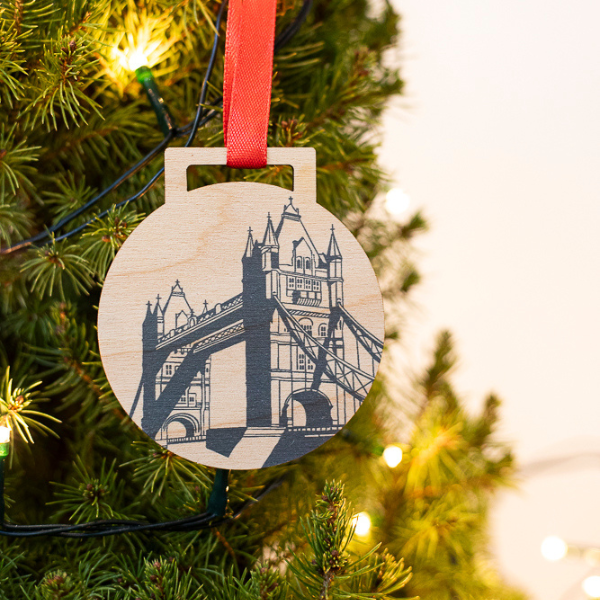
(192,408)
(260,282)
(287,267)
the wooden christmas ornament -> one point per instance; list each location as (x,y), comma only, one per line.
(241,324)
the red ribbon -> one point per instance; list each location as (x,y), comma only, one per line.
(247,81)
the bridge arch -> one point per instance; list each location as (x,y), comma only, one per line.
(316,405)
(189,422)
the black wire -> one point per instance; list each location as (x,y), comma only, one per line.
(117,526)
(209,70)
(292,29)
(111,527)
(68,218)
(163,144)
(48,235)
(125,202)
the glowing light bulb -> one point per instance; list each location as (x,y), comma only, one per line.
(392,456)
(362,523)
(137,59)
(133,59)
(553,548)
(591,586)
(397,201)
(4,434)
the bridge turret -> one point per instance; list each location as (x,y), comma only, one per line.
(160,317)
(270,247)
(251,264)
(249,244)
(270,239)
(177,310)
(150,328)
(335,279)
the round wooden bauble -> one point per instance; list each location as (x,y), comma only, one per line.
(241,324)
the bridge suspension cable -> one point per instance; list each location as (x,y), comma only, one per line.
(372,344)
(350,378)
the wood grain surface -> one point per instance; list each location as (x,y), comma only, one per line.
(241,324)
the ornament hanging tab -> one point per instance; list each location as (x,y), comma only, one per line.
(247,81)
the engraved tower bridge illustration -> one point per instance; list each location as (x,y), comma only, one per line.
(308,362)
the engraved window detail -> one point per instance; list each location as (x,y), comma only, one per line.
(303,363)
(192,399)
(299,263)
(316,285)
(299,283)
(307,264)
(168,369)
(322,330)
(291,282)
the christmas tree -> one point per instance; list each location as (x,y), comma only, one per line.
(395,506)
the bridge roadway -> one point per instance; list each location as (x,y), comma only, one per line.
(216,318)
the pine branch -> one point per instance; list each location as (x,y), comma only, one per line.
(15,156)
(106,236)
(335,571)
(58,269)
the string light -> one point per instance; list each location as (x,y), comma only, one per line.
(145,43)
(362,524)
(392,456)
(4,434)
(397,201)
(133,59)
(137,52)
(136,59)
(591,586)
(4,440)
(554,548)
(4,450)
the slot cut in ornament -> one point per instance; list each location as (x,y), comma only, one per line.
(241,324)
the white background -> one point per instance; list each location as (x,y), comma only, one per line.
(498,141)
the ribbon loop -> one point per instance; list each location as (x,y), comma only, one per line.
(247,81)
